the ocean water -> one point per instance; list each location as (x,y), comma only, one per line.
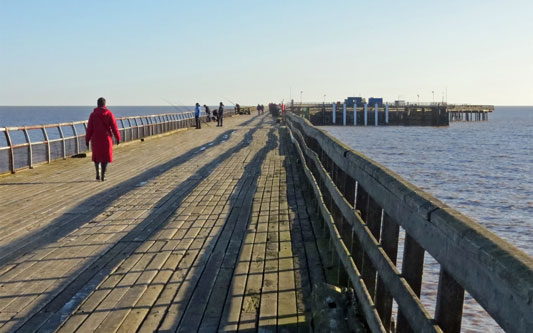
(482,169)
(39,115)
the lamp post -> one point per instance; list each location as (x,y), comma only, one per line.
(433,92)
(301,92)
(418,99)
(324,110)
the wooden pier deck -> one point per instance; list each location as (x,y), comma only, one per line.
(201,230)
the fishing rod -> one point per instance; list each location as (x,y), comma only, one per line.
(174,106)
(229,100)
(184,109)
(234,104)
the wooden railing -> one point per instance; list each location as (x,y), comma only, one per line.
(45,143)
(363,205)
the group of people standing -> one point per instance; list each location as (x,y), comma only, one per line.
(260,109)
(217,115)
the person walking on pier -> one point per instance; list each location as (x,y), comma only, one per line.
(101,126)
(197,116)
(220,114)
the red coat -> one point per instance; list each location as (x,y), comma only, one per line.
(101,124)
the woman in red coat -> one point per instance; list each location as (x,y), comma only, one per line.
(101,125)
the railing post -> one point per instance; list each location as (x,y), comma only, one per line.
(449,309)
(387,113)
(366,114)
(63,141)
(333,114)
(30,150)
(85,127)
(11,152)
(376,109)
(48,153)
(355,114)
(344,114)
(389,243)
(412,268)
(373,221)
(77,138)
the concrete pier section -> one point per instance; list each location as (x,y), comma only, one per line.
(393,115)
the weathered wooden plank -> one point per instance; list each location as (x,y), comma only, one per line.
(389,243)
(268,309)
(449,309)
(224,253)
(371,314)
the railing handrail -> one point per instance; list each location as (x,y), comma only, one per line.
(132,127)
(496,274)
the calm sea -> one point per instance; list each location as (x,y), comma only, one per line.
(482,169)
(39,115)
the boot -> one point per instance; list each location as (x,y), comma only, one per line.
(104,166)
(96,166)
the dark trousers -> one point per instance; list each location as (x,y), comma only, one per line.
(198,122)
(97,167)
(220,119)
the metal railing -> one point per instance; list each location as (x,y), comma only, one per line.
(26,146)
(363,205)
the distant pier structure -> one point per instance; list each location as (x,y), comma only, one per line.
(399,114)
(465,112)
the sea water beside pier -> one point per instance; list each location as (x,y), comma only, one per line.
(482,169)
(40,115)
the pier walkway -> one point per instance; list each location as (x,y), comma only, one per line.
(198,230)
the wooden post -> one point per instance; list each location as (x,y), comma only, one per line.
(387,113)
(412,268)
(30,151)
(373,221)
(355,114)
(366,114)
(333,114)
(11,152)
(389,243)
(449,309)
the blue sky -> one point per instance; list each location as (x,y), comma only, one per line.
(142,52)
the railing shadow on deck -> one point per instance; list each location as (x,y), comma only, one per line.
(202,311)
(363,205)
(49,315)
(94,206)
(249,121)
